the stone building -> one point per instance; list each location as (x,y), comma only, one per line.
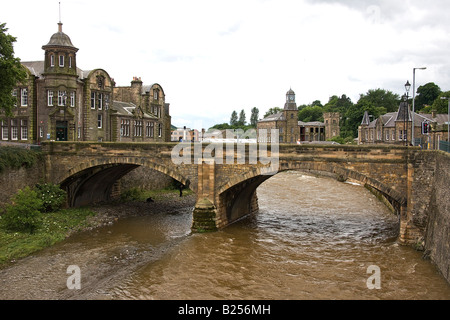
(290,130)
(395,128)
(59,101)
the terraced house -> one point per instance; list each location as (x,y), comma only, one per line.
(59,101)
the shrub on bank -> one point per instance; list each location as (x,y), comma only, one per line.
(52,196)
(24,214)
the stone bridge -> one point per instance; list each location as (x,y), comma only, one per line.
(225,176)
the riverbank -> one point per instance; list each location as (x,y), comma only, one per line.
(60,225)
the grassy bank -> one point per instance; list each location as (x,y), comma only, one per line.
(57,226)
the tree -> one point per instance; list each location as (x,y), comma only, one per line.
(310,113)
(242,120)
(439,105)
(254,117)
(272,111)
(11,71)
(426,95)
(25,212)
(234,118)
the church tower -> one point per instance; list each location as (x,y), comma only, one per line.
(290,113)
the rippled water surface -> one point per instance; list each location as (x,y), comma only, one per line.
(313,238)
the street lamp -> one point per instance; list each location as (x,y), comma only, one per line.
(448,120)
(414,97)
(405,136)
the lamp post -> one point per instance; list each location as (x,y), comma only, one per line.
(405,136)
(414,97)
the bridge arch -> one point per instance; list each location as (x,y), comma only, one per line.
(238,196)
(94,180)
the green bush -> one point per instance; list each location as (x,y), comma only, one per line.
(52,196)
(24,214)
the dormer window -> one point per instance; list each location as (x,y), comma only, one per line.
(61,61)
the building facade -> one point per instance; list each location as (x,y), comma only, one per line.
(395,128)
(61,102)
(290,130)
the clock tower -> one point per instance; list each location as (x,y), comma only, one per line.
(292,132)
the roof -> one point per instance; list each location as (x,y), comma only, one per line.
(311,124)
(279,116)
(37,69)
(127,109)
(60,39)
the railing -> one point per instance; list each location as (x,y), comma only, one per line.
(444,146)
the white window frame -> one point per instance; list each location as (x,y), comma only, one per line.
(100,121)
(24,97)
(5,130)
(23,129)
(50,98)
(61,61)
(52,60)
(72,99)
(61,98)
(70,62)
(14,130)
(93,96)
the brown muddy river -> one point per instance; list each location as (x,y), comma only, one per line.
(313,238)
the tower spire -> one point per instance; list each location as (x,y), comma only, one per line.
(59,23)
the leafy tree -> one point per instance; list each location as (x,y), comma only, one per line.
(272,111)
(439,105)
(311,114)
(242,120)
(234,118)
(11,71)
(254,117)
(380,98)
(426,95)
(24,214)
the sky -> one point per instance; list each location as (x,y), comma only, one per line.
(213,57)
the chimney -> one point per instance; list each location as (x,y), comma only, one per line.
(433,114)
(59,26)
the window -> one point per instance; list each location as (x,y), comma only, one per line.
(393,135)
(125,128)
(41,132)
(24,129)
(79,132)
(5,130)
(155,94)
(106,101)
(50,98)
(137,128)
(61,98)
(61,61)
(92,100)
(150,129)
(72,99)
(387,135)
(100,101)
(70,62)
(52,61)
(400,136)
(14,130)
(24,97)
(14,93)
(99,121)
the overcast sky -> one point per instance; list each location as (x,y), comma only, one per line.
(215,56)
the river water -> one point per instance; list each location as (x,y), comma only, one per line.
(313,238)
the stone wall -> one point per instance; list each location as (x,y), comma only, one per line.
(437,235)
(145,178)
(12,180)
